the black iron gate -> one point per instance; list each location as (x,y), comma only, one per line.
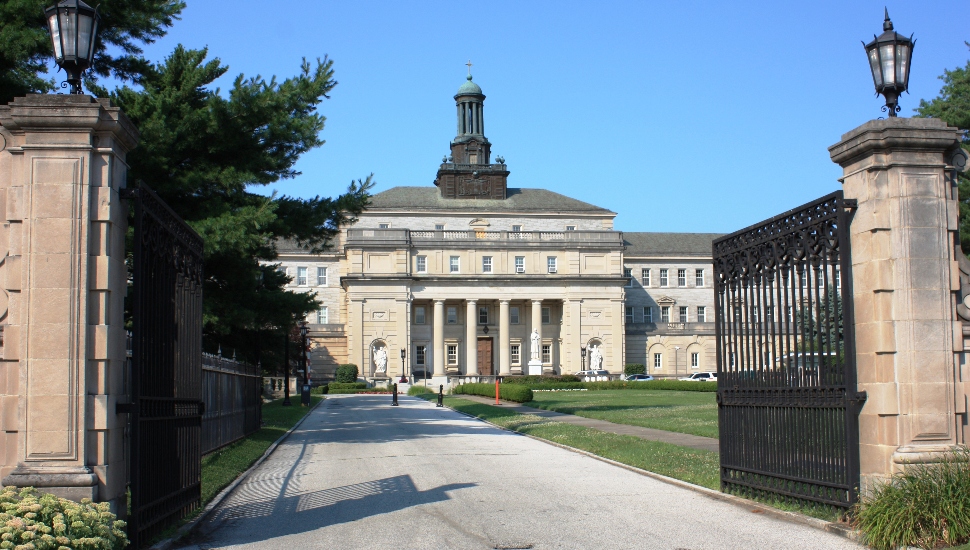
(786,389)
(166,377)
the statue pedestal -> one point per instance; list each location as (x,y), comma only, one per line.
(535,367)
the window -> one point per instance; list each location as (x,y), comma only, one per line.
(322,276)
(453,264)
(546,316)
(482,315)
(570,228)
(515,357)
(323,316)
(452,354)
(629,314)
(383,226)
(683,314)
(514,315)
(301,276)
(658,359)
(647,314)
(452,315)
(838,278)
(419,315)
(421,264)
(516,228)
(645,277)
(664,314)
(701,314)
(551,264)
(770,314)
(698,277)
(731,359)
(663,277)
(546,353)
(788,313)
(486,264)
(520,264)
(628,273)
(681,277)
(439,227)
(695,360)
(420,354)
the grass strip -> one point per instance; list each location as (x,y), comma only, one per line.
(690,465)
(221,467)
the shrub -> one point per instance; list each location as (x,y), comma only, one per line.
(677,385)
(348,386)
(42,521)
(924,506)
(321,389)
(347,373)
(419,390)
(634,368)
(510,392)
(536,379)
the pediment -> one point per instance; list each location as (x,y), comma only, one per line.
(666,301)
(479,222)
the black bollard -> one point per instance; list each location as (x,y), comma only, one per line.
(394,392)
(441,395)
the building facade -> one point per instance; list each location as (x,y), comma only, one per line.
(455,279)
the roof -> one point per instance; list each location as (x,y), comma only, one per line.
(668,244)
(518,200)
(469,88)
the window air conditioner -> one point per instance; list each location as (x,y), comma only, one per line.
(552,270)
(520,270)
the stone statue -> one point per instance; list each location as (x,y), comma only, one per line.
(535,344)
(380,359)
(595,358)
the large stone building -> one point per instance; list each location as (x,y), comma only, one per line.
(458,277)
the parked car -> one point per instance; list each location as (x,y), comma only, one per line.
(593,375)
(638,378)
(701,377)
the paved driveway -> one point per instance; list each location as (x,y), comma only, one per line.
(361,474)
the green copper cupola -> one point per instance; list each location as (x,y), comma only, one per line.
(470,100)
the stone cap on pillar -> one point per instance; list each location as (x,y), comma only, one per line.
(900,134)
(68,112)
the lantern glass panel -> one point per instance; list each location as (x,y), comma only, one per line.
(85,25)
(66,25)
(902,67)
(888,64)
(874,65)
(56,35)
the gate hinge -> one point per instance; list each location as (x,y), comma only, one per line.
(124,408)
(851,204)
(860,397)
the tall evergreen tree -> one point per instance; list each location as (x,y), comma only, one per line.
(953,107)
(25,47)
(203,152)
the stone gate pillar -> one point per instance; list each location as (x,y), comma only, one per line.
(64,281)
(905,277)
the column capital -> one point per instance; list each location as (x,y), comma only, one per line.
(472,301)
(537,301)
(504,302)
(439,302)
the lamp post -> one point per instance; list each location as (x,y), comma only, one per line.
(286,367)
(304,391)
(889,55)
(676,364)
(404,367)
(74,27)
(582,352)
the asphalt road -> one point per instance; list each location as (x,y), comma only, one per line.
(361,474)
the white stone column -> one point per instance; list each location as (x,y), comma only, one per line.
(471,338)
(439,338)
(536,325)
(504,363)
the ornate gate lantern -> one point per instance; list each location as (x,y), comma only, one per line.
(889,57)
(74,28)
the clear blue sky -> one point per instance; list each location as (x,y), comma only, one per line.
(679,116)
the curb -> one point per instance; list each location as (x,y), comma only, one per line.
(794,517)
(168,543)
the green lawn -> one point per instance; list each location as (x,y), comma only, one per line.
(691,465)
(674,411)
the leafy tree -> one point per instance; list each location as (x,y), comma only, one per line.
(202,152)
(25,46)
(953,107)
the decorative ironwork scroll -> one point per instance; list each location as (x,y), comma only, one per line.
(166,376)
(787,400)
